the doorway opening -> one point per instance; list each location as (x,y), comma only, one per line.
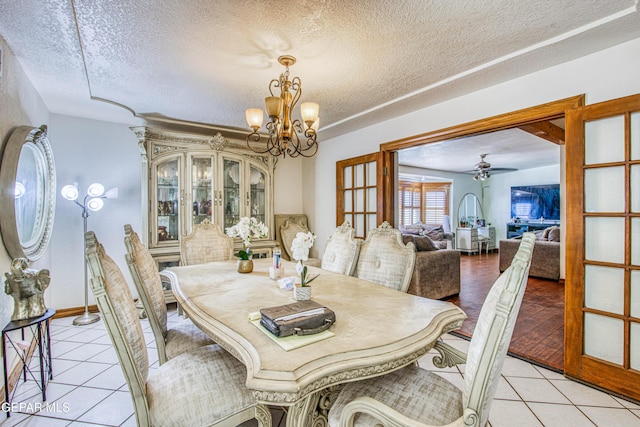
(538,120)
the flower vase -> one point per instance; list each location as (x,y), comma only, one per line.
(245,265)
(301,293)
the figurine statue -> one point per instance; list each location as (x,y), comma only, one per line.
(26,286)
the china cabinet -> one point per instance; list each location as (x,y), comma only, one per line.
(188,177)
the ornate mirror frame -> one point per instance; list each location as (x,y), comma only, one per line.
(27,192)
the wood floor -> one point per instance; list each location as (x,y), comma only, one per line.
(539,332)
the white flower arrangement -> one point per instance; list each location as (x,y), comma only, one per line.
(300,252)
(247,229)
(301,245)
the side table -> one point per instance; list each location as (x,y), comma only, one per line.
(39,327)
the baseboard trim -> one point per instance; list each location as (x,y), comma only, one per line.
(74,311)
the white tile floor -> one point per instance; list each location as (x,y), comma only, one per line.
(88,389)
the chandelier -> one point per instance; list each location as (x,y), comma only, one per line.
(286,136)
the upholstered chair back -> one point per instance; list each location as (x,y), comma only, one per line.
(144,272)
(206,243)
(385,259)
(115,301)
(492,334)
(288,232)
(341,251)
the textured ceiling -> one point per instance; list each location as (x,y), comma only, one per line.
(462,154)
(364,61)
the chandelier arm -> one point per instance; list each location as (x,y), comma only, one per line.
(255,137)
(273,84)
(296,89)
(302,147)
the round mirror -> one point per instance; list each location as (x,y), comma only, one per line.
(470,211)
(28,186)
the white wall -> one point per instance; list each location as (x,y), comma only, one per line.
(288,186)
(21,105)
(88,151)
(605,75)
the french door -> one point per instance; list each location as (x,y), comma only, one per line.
(359,183)
(602,321)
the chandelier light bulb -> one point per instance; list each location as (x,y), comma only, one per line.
(69,192)
(309,112)
(95,204)
(316,125)
(255,116)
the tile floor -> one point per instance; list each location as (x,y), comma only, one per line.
(88,389)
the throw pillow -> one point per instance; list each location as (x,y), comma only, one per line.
(424,243)
(406,238)
(434,233)
(411,229)
(554,234)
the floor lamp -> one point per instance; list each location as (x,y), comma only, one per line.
(93,201)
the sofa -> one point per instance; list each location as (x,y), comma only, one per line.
(440,234)
(545,261)
(436,273)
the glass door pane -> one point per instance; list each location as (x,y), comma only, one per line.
(231,194)
(357,192)
(258,203)
(202,190)
(168,199)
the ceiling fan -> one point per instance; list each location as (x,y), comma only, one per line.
(482,169)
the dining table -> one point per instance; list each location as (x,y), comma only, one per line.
(377,330)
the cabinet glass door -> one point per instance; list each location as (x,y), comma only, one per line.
(202,198)
(168,199)
(231,194)
(257,179)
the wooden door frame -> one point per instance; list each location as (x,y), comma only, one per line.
(549,111)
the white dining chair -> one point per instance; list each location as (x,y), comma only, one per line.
(385,259)
(206,243)
(341,251)
(170,341)
(416,397)
(202,387)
